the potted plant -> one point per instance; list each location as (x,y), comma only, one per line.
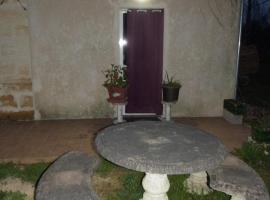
(170,89)
(233,111)
(116,83)
(261,130)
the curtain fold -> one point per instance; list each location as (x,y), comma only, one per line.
(144,58)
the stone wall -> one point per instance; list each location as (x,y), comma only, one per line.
(73,41)
(16,96)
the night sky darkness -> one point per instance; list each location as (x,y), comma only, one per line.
(254,85)
(256,31)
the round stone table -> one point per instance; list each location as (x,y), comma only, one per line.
(158,149)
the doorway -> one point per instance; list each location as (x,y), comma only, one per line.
(143,54)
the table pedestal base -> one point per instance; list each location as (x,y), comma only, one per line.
(237,198)
(156,187)
(197,183)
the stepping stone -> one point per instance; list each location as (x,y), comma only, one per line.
(68,178)
(234,177)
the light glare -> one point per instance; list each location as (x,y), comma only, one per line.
(122,42)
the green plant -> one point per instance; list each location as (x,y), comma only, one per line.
(261,130)
(105,168)
(255,155)
(234,106)
(12,196)
(170,82)
(116,76)
(258,157)
(29,173)
(132,189)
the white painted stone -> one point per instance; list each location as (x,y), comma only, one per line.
(166,115)
(197,183)
(156,187)
(119,111)
(235,197)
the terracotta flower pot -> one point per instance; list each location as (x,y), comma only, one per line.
(117,95)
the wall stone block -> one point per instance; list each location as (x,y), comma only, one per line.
(26,101)
(21,115)
(7,100)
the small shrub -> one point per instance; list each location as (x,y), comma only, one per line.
(261,130)
(255,155)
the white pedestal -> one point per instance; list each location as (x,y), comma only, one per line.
(197,183)
(156,187)
(167,110)
(238,198)
(119,110)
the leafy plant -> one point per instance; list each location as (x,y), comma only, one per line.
(261,130)
(234,106)
(116,76)
(170,82)
(255,155)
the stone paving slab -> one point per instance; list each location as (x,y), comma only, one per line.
(236,178)
(35,141)
(68,178)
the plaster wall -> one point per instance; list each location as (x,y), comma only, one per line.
(16,97)
(73,41)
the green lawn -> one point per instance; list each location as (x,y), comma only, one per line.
(130,181)
(132,187)
(29,173)
(12,196)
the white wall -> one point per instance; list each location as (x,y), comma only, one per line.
(73,41)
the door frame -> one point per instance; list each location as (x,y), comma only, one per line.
(121,52)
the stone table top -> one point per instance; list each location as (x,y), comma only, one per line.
(160,147)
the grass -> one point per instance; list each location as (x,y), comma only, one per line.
(28,173)
(12,196)
(254,155)
(132,188)
(104,168)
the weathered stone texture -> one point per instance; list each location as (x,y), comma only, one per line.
(7,100)
(26,101)
(200,40)
(18,115)
(14,43)
(236,178)
(68,178)
(200,48)
(160,147)
(15,80)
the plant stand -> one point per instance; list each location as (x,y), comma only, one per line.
(166,115)
(118,110)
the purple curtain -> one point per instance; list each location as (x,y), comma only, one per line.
(144,58)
